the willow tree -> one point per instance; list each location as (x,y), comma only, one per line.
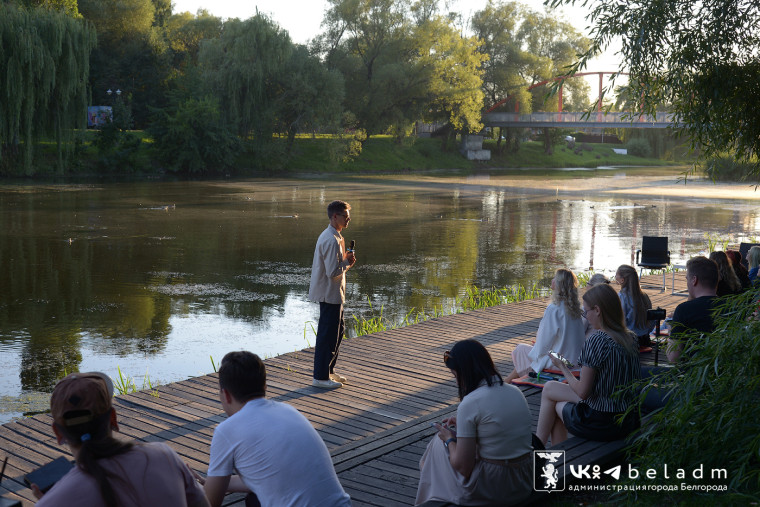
(44,61)
(242,68)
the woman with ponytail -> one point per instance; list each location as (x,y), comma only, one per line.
(111,472)
(590,407)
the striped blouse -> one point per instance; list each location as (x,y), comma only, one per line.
(615,368)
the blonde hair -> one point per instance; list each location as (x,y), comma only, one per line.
(611,313)
(753,257)
(631,286)
(566,291)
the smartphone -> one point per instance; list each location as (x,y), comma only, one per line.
(559,356)
(47,475)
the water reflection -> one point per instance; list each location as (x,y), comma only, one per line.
(158,276)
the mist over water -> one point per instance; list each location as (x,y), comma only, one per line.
(155,277)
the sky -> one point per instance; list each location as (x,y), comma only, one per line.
(302,20)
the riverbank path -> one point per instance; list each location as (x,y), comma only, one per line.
(376,427)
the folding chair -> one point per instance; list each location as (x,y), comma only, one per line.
(654,255)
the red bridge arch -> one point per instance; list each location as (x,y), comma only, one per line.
(562,79)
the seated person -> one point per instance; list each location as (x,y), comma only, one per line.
(697,312)
(694,314)
(741,272)
(588,407)
(274,450)
(487,459)
(562,329)
(635,304)
(596,279)
(753,260)
(728,282)
(110,471)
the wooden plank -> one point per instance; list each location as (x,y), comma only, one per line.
(376,427)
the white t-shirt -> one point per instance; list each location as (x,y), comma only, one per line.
(148,475)
(278,455)
(499,418)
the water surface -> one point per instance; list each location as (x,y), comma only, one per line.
(158,276)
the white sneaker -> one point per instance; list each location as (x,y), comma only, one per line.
(338,378)
(326,384)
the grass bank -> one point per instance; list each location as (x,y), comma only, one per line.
(313,155)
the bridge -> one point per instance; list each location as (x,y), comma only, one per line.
(598,119)
(578,120)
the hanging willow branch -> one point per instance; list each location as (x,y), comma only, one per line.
(44,64)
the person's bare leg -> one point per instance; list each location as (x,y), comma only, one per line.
(553,393)
(512,376)
(559,431)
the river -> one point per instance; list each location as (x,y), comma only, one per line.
(159,277)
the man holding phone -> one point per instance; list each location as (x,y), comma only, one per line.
(266,447)
(328,288)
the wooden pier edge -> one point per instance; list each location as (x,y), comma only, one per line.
(375,427)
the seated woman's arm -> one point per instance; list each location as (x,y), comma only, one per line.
(583,386)
(461,451)
(462,455)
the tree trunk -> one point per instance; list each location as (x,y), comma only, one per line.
(547,142)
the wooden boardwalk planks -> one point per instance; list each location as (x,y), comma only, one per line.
(376,427)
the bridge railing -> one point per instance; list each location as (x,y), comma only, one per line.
(578,117)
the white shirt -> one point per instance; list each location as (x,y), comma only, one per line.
(278,455)
(328,269)
(499,418)
(559,332)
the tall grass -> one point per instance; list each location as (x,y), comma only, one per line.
(474,298)
(124,384)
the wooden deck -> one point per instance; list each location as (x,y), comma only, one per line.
(376,427)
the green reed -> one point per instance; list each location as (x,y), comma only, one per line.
(474,298)
(124,384)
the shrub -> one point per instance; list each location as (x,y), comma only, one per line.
(194,139)
(725,168)
(713,417)
(639,148)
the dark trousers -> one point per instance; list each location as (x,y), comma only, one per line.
(330,331)
(656,397)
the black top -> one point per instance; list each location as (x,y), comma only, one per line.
(615,368)
(693,315)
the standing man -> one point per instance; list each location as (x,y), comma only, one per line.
(328,288)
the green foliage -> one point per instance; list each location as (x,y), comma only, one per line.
(194,140)
(473,299)
(532,154)
(713,240)
(727,168)
(713,416)
(44,64)
(241,68)
(701,59)
(639,148)
(402,64)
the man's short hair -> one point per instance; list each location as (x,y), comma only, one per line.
(705,270)
(337,207)
(243,375)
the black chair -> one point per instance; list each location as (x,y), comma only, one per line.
(654,255)
(743,249)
